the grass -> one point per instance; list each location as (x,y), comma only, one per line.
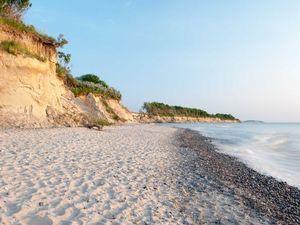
(68,79)
(99,122)
(20,26)
(108,108)
(63,72)
(16,48)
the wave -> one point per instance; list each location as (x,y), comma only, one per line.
(271,149)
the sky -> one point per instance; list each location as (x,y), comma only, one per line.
(237,57)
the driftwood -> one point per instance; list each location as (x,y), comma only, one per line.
(94,127)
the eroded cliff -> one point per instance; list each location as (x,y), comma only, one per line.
(145,118)
(32,95)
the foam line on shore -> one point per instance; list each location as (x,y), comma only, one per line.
(268,196)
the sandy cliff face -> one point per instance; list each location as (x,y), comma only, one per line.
(44,48)
(31,94)
(96,107)
(28,86)
(121,111)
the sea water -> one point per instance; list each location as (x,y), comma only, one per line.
(272,149)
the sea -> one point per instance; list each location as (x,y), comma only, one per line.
(272,149)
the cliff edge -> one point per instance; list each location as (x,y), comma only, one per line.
(31,93)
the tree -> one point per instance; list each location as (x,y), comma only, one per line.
(14,9)
(61,41)
(63,64)
(64,59)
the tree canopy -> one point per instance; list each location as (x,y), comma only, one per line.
(14,9)
(161,109)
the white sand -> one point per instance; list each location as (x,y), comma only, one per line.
(122,175)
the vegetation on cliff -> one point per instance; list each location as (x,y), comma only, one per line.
(14,9)
(92,78)
(225,116)
(19,39)
(30,29)
(85,84)
(11,13)
(84,88)
(80,86)
(91,83)
(63,64)
(16,48)
(161,109)
(99,122)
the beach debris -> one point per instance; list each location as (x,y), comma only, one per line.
(95,127)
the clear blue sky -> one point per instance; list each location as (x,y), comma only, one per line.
(238,57)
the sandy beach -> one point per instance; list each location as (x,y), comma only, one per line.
(133,174)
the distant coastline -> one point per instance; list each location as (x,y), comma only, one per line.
(146,118)
(56,98)
(253,121)
(157,112)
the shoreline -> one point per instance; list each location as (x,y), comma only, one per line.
(132,174)
(265,194)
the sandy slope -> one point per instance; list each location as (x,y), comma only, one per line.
(123,175)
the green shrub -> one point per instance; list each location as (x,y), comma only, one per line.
(70,81)
(93,79)
(225,116)
(61,71)
(12,47)
(100,122)
(63,63)
(79,87)
(161,109)
(84,88)
(16,48)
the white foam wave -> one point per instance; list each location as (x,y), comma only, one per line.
(271,149)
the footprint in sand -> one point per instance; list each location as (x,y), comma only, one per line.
(37,220)
(99,182)
(12,209)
